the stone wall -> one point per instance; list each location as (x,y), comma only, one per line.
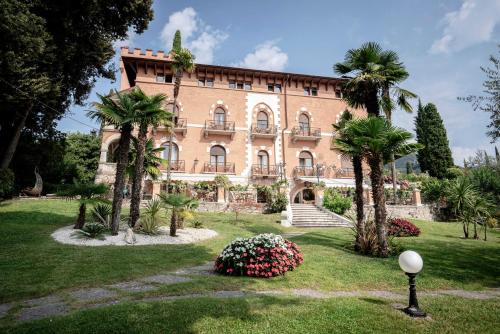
(229,207)
(424,212)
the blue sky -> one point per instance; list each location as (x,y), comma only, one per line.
(442,43)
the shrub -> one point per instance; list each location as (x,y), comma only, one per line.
(278,203)
(6,182)
(334,201)
(101,213)
(399,227)
(434,190)
(264,255)
(196,224)
(92,230)
(150,223)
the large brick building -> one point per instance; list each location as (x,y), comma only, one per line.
(253,125)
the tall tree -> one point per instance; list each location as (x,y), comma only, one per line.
(435,156)
(152,159)
(347,146)
(182,61)
(50,55)
(379,141)
(490,101)
(149,113)
(121,111)
(81,156)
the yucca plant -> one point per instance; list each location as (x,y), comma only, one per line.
(101,213)
(179,204)
(85,193)
(150,222)
(92,230)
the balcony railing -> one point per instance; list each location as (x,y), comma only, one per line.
(219,128)
(225,168)
(180,126)
(259,132)
(306,134)
(307,171)
(344,173)
(178,166)
(264,171)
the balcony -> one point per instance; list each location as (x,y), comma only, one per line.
(181,126)
(269,132)
(306,134)
(307,171)
(344,173)
(219,128)
(264,171)
(223,168)
(176,166)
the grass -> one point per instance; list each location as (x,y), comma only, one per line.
(32,265)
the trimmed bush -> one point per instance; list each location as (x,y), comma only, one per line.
(399,227)
(264,255)
(334,201)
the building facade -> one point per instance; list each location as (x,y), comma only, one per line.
(255,126)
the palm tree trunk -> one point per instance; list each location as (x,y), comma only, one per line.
(173,223)
(360,216)
(388,116)
(466,230)
(121,166)
(476,236)
(135,200)
(377,168)
(177,87)
(372,103)
(11,147)
(80,221)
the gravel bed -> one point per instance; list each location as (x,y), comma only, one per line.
(67,235)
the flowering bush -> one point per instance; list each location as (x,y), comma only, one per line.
(399,227)
(265,255)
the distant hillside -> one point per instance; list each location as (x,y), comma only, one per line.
(401,163)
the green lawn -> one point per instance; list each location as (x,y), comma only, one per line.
(32,265)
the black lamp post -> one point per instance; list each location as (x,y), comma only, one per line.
(411,263)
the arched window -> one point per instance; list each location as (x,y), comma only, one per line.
(262,120)
(112,155)
(175,151)
(219,116)
(217,156)
(304,123)
(305,159)
(263,159)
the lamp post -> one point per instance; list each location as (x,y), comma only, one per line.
(411,263)
(318,167)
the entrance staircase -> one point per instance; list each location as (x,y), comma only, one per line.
(309,215)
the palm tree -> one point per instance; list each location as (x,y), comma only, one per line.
(182,61)
(379,140)
(374,83)
(177,203)
(119,110)
(85,193)
(347,147)
(152,159)
(150,113)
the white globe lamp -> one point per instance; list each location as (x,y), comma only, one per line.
(411,263)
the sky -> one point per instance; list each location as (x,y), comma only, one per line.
(442,43)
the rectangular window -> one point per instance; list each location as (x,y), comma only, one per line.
(209,82)
(201,83)
(232,84)
(310,91)
(338,94)
(168,78)
(270,88)
(160,78)
(277,88)
(307,91)
(314,91)
(248,86)
(239,85)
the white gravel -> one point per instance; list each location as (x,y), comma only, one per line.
(66,235)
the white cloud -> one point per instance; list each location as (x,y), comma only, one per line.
(267,56)
(473,23)
(200,38)
(131,35)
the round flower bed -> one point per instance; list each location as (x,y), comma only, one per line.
(265,255)
(399,227)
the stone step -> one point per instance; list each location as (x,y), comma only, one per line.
(308,215)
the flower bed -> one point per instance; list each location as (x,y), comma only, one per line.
(265,255)
(399,227)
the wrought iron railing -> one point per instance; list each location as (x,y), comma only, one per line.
(344,172)
(219,126)
(298,131)
(227,167)
(307,171)
(270,130)
(263,170)
(175,166)
(180,123)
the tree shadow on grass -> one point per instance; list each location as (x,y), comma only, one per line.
(179,316)
(33,264)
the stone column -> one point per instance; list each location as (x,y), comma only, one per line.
(156,189)
(221,195)
(416,200)
(368,196)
